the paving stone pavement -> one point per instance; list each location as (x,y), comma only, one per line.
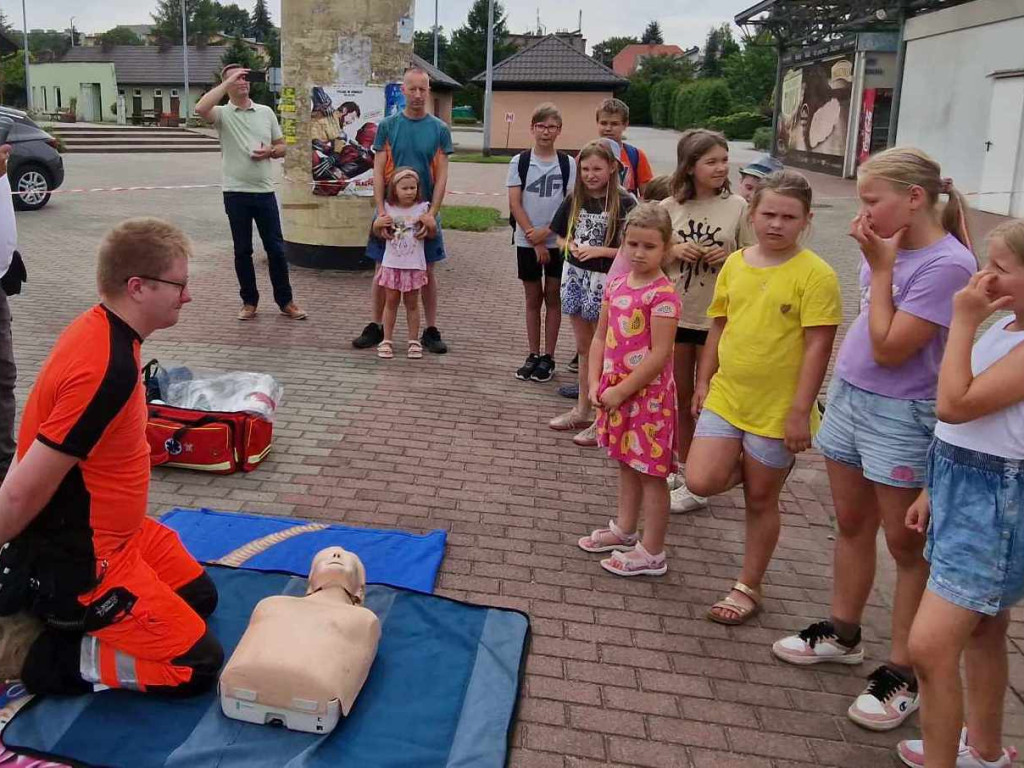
(620,672)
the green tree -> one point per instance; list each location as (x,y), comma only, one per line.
(656,68)
(119,36)
(423,44)
(48,44)
(751,73)
(661,96)
(638,98)
(201,16)
(261,26)
(719,46)
(467,53)
(233,20)
(5,25)
(273,43)
(240,53)
(652,35)
(607,50)
(12,81)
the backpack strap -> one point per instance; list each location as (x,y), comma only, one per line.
(633,155)
(524,167)
(566,169)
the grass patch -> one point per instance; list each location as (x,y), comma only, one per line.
(471,218)
(476,157)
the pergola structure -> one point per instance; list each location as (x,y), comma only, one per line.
(797,23)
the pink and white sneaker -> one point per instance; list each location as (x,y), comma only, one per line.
(817,644)
(911,752)
(888,700)
(636,562)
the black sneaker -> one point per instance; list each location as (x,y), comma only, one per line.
(527,369)
(431,339)
(371,336)
(544,370)
(571,391)
(574,364)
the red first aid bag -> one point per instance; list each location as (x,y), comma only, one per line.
(208,441)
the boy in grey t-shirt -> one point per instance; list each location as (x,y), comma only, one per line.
(538,180)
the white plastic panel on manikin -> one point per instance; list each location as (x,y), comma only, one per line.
(1002,146)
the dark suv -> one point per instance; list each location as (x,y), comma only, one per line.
(35,167)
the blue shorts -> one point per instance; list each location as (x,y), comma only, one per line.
(433,247)
(770,451)
(885,437)
(976,532)
(582,292)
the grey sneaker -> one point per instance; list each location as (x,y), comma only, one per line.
(17,633)
(682,499)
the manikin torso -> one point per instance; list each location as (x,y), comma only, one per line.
(301,651)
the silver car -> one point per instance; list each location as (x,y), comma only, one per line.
(35,167)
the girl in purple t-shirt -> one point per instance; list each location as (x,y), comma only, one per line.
(881,414)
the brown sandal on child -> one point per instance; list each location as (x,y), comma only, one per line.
(744,612)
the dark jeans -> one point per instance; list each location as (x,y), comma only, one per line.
(243,208)
(8,378)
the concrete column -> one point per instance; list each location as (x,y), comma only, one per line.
(329,43)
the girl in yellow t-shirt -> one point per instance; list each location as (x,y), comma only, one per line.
(775,311)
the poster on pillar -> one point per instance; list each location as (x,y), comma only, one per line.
(343,126)
(815,114)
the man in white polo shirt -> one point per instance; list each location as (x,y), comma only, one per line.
(250,136)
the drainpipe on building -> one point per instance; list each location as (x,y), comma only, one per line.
(897,91)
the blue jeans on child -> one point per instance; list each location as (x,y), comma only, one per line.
(770,451)
(976,533)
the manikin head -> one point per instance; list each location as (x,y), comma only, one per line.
(335,567)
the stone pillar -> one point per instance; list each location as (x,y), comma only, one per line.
(338,46)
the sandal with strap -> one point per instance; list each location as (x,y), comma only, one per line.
(415,349)
(744,612)
(610,539)
(636,562)
(385,350)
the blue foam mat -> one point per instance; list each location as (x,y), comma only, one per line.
(441,694)
(391,557)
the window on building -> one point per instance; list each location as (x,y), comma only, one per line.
(46,104)
(174,93)
(157,93)
(120,91)
(137,92)
(56,91)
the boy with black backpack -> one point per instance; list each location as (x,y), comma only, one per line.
(538,180)
(612,122)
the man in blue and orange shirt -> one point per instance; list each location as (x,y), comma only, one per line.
(97,594)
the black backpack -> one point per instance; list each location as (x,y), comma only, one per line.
(524,168)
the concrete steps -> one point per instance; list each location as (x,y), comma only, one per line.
(113,139)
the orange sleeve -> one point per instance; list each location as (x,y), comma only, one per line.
(643,172)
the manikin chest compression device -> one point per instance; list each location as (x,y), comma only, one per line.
(303,660)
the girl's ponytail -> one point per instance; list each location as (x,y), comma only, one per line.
(954,214)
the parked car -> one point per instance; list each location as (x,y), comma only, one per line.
(35,167)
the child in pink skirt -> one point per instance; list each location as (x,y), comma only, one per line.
(632,386)
(404,269)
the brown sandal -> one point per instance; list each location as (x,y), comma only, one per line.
(728,603)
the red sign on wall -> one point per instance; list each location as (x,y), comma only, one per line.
(867,121)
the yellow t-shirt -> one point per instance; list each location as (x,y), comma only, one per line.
(720,221)
(762,345)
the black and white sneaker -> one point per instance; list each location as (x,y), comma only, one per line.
(889,699)
(431,339)
(545,369)
(526,370)
(372,335)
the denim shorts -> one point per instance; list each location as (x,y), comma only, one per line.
(770,451)
(976,532)
(433,247)
(885,437)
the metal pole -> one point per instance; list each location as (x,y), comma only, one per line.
(28,85)
(435,32)
(184,59)
(72,31)
(897,91)
(488,89)
(777,112)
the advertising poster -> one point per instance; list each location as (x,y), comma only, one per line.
(815,115)
(343,126)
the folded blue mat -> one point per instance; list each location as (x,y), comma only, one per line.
(285,544)
(441,694)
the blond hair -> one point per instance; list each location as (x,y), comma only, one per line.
(693,145)
(658,188)
(654,217)
(910,167)
(787,183)
(612,195)
(544,111)
(1012,234)
(391,190)
(614,107)
(138,248)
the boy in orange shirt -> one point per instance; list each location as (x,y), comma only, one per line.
(612,122)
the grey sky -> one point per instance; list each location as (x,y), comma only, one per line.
(685,24)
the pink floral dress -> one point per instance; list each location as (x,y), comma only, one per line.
(641,431)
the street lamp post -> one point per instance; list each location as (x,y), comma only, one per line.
(28,85)
(72,31)
(488,89)
(184,59)
(436,30)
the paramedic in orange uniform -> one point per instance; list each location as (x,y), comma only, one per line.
(99,595)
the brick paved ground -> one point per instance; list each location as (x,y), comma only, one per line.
(620,672)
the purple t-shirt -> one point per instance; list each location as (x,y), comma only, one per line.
(923,284)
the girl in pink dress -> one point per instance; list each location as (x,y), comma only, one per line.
(632,386)
(404,269)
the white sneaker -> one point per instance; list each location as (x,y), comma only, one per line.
(817,644)
(911,752)
(682,499)
(675,480)
(888,700)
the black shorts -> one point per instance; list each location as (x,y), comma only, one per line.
(691,336)
(530,270)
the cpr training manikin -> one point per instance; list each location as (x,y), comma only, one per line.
(303,660)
